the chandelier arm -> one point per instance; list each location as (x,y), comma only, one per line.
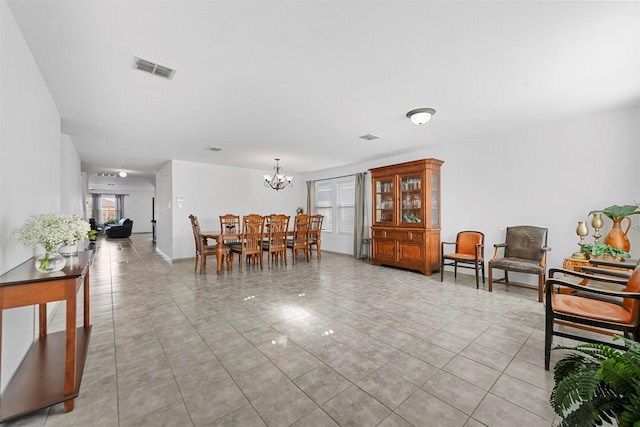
(277,181)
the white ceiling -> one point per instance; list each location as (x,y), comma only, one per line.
(302,80)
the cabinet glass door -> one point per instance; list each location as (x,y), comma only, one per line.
(411,199)
(435,199)
(384,200)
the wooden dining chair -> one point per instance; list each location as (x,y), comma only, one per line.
(230,224)
(250,245)
(300,239)
(315,232)
(203,250)
(276,243)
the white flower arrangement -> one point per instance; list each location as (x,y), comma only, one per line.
(52,230)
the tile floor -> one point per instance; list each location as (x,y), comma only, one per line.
(336,342)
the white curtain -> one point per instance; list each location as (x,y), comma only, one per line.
(311,194)
(120,205)
(359,214)
(96,210)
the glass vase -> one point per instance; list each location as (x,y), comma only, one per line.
(49,262)
(68,250)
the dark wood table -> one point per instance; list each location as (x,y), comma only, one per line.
(52,370)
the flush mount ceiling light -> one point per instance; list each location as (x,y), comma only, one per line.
(122,173)
(420,116)
(277,181)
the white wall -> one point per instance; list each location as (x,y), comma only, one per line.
(36,168)
(137,206)
(164,225)
(550,176)
(208,191)
(72,181)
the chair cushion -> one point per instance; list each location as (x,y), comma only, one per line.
(517,264)
(460,257)
(235,247)
(590,308)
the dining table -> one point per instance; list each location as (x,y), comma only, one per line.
(220,238)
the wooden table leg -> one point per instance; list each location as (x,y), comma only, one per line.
(70,351)
(42,318)
(86,299)
(219,254)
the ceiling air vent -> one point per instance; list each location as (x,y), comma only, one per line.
(212,148)
(153,68)
(369,137)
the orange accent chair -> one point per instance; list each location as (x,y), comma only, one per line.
(468,252)
(590,305)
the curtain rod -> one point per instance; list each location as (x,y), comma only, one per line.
(338,177)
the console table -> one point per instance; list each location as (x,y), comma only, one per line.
(52,370)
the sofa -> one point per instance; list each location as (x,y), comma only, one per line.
(120,229)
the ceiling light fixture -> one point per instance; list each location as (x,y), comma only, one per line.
(420,116)
(122,173)
(277,181)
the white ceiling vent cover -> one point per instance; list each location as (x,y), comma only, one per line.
(153,68)
(369,137)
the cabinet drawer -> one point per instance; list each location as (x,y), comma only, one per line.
(398,234)
(416,236)
(379,233)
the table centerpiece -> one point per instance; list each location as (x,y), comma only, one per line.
(51,230)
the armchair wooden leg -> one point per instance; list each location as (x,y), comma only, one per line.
(548,335)
(541,280)
(490,278)
(477,278)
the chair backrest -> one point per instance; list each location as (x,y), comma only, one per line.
(315,226)
(467,240)
(278,227)
(230,224)
(633,285)
(301,230)
(195,226)
(525,242)
(252,232)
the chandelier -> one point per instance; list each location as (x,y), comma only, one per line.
(277,181)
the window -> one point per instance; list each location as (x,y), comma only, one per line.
(346,206)
(335,198)
(105,207)
(324,203)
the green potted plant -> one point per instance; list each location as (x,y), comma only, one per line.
(602,250)
(597,383)
(616,212)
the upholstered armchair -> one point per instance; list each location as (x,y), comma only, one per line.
(120,229)
(524,251)
(604,304)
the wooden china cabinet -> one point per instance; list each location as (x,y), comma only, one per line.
(406,215)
